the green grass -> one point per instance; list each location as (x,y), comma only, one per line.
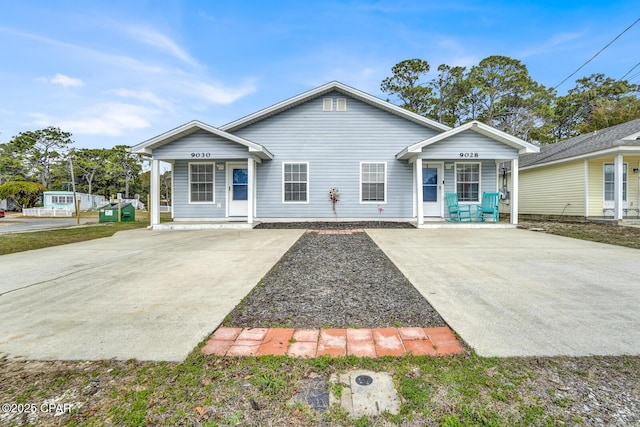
(462,390)
(20,242)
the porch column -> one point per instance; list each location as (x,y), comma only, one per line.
(514,191)
(251,170)
(155,192)
(419,200)
(617,187)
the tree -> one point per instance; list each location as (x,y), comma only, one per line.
(24,194)
(11,166)
(595,102)
(40,149)
(89,161)
(405,85)
(123,167)
(450,89)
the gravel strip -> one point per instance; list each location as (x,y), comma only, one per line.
(337,281)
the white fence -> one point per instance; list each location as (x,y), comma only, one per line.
(46,212)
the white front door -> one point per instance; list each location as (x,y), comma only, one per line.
(237,189)
(431,189)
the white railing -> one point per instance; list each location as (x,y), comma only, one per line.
(46,212)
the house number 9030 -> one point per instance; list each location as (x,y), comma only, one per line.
(200,155)
(469,155)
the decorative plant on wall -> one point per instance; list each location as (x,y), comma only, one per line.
(334,196)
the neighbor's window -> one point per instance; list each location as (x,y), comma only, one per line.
(201,182)
(609,182)
(373,179)
(62,200)
(295,180)
(468,182)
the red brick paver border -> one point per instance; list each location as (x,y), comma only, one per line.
(333,342)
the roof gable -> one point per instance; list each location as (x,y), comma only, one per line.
(475,126)
(147,147)
(624,134)
(325,89)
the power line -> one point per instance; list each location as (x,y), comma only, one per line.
(598,53)
(629,72)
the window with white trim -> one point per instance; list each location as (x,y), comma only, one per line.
(201,182)
(609,182)
(341,104)
(468,182)
(295,182)
(327,104)
(62,200)
(373,180)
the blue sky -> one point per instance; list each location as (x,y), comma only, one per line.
(119,72)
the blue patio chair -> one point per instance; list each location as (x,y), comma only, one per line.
(490,207)
(457,213)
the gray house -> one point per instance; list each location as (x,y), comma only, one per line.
(282,163)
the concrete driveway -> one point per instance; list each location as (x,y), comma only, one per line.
(511,292)
(139,294)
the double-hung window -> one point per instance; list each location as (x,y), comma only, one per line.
(468,182)
(295,181)
(373,182)
(201,182)
(609,182)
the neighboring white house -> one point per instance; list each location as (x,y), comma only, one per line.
(64,200)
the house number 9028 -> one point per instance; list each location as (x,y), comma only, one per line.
(200,155)
(469,155)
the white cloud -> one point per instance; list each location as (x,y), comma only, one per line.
(143,95)
(556,43)
(62,80)
(110,119)
(156,39)
(218,94)
(66,81)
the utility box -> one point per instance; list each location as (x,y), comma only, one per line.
(109,213)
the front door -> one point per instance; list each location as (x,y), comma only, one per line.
(431,185)
(237,188)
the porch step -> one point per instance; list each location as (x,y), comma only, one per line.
(204,226)
(444,224)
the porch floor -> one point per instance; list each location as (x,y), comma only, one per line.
(372,343)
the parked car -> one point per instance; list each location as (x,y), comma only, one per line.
(1,213)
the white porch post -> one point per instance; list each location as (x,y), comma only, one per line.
(514,191)
(251,170)
(419,200)
(617,186)
(155,192)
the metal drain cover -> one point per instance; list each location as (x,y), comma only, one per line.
(364,380)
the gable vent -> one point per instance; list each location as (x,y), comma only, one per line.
(327,104)
(341,104)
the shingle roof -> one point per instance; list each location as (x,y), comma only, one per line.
(591,142)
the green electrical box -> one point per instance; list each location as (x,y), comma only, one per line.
(109,213)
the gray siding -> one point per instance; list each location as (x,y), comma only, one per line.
(204,144)
(334,143)
(469,143)
(182,207)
